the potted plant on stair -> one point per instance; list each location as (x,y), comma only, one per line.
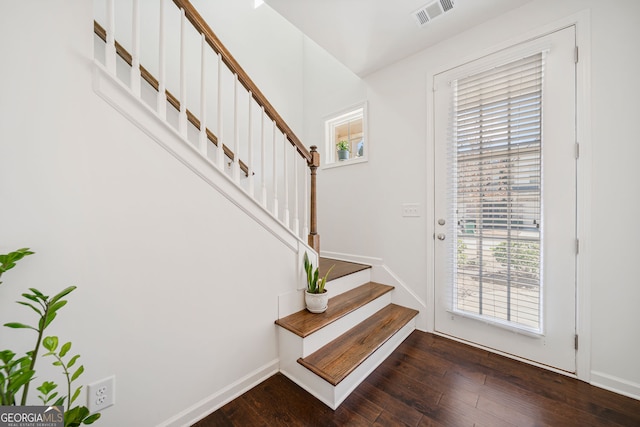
(316,296)
(343,150)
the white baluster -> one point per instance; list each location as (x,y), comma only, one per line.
(275,173)
(296,210)
(110,53)
(162,97)
(135,53)
(286,180)
(202,142)
(236,133)
(263,161)
(182,120)
(220,152)
(305,201)
(250,153)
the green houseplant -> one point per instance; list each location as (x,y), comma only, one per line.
(343,149)
(17,373)
(316,296)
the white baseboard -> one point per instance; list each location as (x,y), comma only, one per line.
(208,405)
(615,384)
(352,258)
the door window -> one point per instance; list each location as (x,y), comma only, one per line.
(495,160)
(345,136)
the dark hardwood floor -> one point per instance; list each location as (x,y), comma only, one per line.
(433,381)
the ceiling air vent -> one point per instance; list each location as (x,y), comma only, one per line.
(431,11)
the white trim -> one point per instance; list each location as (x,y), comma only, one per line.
(212,403)
(581,21)
(615,384)
(351,258)
(341,163)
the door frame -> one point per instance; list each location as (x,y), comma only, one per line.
(581,21)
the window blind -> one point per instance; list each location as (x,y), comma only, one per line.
(495,161)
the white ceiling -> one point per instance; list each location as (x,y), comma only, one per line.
(367,35)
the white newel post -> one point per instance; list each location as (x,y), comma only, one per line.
(135,54)
(202,141)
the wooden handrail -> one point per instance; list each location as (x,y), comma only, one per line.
(173,101)
(212,40)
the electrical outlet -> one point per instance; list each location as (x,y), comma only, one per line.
(411,209)
(101,394)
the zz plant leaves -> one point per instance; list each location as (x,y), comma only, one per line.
(8,261)
(73,416)
(16,374)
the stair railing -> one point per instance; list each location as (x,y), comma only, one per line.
(288,154)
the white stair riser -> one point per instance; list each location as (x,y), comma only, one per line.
(346,283)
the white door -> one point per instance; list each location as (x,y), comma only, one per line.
(505,201)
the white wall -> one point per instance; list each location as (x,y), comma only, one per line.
(177,288)
(365,219)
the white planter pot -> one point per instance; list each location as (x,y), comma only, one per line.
(316,303)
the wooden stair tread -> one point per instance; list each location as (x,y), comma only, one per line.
(303,323)
(340,268)
(340,357)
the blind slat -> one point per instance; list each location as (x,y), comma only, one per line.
(495,197)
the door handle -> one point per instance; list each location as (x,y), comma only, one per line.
(441,236)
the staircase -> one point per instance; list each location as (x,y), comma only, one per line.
(330,354)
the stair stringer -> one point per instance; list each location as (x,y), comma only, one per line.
(333,396)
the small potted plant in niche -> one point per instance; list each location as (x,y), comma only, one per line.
(343,149)
(316,296)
